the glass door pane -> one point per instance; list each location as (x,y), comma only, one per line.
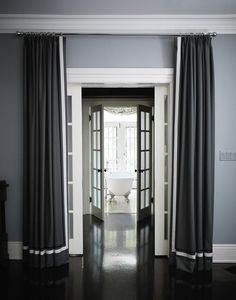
(144,162)
(97,170)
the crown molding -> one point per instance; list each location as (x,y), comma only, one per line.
(118,24)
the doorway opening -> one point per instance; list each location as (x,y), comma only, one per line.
(84,83)
(119,137)
(120,159)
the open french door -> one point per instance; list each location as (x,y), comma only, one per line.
(97,161)
(144,161)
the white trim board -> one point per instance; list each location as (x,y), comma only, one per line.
(118,24)
(120,76)
(222,253)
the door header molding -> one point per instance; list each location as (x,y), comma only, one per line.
(120,76)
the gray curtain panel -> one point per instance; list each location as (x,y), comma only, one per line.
(193,211)
(45,237)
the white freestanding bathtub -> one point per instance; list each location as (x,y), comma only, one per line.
(119,183)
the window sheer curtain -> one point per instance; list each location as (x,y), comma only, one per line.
(45,193)
(194,147)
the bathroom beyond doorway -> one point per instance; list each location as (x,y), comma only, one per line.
(107,161)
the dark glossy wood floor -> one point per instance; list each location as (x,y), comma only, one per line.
(118,264)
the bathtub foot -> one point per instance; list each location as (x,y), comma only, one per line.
(127,196)
(111,197)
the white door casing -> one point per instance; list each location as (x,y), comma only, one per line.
(76,242)
(163,154)
(162,80)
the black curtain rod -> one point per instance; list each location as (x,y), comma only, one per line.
(213,34)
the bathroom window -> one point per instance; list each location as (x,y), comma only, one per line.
(120,139)
(131,147)
(110,147)
(120,146)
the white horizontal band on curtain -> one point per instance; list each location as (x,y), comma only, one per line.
(175,141)
(45,251)
(194,256)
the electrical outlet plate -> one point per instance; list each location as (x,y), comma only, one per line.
(227,156)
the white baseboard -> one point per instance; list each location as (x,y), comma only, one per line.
(222,253)
(15,250)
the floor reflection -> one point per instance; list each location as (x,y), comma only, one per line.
(118,264)
(45,285)
(119,259)
(19,283)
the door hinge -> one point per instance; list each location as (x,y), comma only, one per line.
(90,117)
(153,118)
(152,199)
(90,199)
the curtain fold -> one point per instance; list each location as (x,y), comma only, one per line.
(45,196)
(193,178)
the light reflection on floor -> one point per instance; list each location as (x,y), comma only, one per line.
(120,256)
(120,242)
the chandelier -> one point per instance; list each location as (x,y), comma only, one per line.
(122,110)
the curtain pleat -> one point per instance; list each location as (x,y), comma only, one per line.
(193,217)
(45,237)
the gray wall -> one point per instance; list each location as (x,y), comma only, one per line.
(119,52)
(11,130)
(118,7)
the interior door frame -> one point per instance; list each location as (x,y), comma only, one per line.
(162,79)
